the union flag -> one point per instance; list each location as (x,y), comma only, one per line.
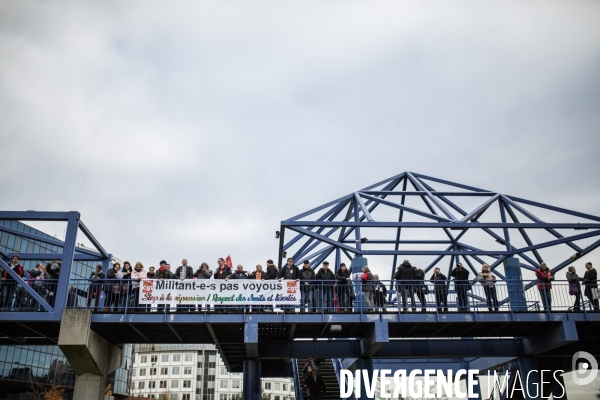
(228,261)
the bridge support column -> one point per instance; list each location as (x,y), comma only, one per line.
(90,355)
(530,378)
(251,379)
(364,364)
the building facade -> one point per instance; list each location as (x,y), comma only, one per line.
(22,365)
(193,372)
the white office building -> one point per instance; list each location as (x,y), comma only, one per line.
(193,372)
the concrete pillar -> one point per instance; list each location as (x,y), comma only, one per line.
(251,379)
(90,355)
(364,364)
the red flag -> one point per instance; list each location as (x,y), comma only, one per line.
(228,261)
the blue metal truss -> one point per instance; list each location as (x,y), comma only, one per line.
(337,227)
(69,253)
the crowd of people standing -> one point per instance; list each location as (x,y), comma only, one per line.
(321,290)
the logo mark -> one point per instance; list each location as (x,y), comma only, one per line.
(291,287)
(585,368)
(147,287)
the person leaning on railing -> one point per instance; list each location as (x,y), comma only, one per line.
(380,293)
(544,284)
(343,288)
(488,281)
(590,283)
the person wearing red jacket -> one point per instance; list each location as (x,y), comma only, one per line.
(544,278)
(9,286)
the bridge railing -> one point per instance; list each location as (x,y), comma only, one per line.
(121,296)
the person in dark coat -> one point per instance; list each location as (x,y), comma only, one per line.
(590,284)
(421,288)
(96,280)
(544,284)
(239,274)
(315,385)
(462,285)
(441,290)
(271,272)
(163,273)
(203,272)
(184,272)
(326,277)
(289,271)
(112,288)
(405,277)
(343,287)
(53,284)
(380,293)
(307,274)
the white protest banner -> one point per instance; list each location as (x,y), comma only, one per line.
(221,292)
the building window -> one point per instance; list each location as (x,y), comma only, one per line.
(152,371)
(175,384)
(267,385)
(174,397)
(163,384)
(141,385)
(164,358)
(284,387)
(143,359)
(176,357)
(153,359)
(223,371)
(235,384)
(187,371)
(174,370)
(292,389)
(188,357)
(224,384)
(223,397)
(187,384)
(152,385)
(277,385)
(187,396)
(164,371)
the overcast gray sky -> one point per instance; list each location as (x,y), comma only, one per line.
(192,129)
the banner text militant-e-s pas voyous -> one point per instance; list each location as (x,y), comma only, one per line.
(231,292)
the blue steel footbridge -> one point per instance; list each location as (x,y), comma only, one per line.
(433,222)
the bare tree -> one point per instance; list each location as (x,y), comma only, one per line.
(51,386)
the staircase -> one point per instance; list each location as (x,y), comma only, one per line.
(327,372)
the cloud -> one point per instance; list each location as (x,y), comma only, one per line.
(197,127)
